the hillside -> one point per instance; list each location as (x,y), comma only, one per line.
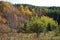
(29,22)
(14,16)
(53,11)
(8,16)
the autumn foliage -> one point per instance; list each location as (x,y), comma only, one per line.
(33,18)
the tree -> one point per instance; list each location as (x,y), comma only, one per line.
(2,20)
(21,8)
(27,11)
(54,13)
(41,12)
(38,25)
(33,10)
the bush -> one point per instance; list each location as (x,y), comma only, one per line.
(40,24)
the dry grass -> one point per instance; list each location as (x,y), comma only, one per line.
(27,36)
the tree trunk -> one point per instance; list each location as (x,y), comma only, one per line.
(37,34)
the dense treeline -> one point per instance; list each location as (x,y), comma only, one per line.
(28,19)
(37,16)
(53,12)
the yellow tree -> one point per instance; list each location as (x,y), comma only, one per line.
(33,10)
(27,11)
(21,8)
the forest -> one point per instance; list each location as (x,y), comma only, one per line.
(29,19)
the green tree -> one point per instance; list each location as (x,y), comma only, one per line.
(40,24)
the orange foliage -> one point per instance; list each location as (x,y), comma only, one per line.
(26,8)
(3,20)
(27,11)
(4,9)
(15,17)
(21,8)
